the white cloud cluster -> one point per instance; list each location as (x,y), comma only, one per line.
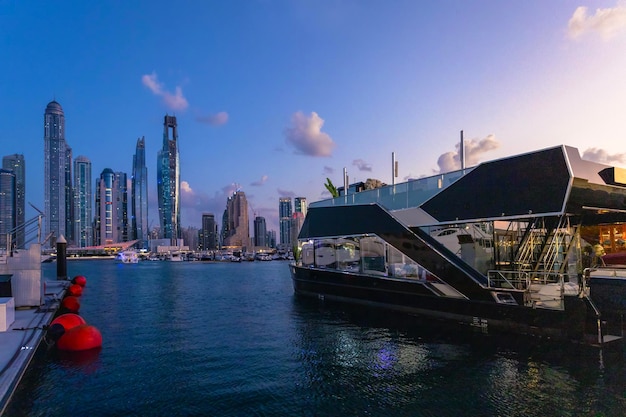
(474,149)
(607,22)
(362,165)
(216,119)
(602,156)
(174,101)
(306,135)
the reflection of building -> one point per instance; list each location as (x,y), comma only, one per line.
(284,214)
(17,164)
(139,198)
(57,173)
(260,232)
(83,228)
(106,208)
(238,228)
(208,233)
(168,181)
(7,206)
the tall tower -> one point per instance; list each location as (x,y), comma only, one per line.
(260,231)
(208,233)
(83,212)
(284,214)
(55,175)
(106,208)
(121,193)
(139,191)
(17,164)
(168,181)
(7,206)
(300,205)
(238,225)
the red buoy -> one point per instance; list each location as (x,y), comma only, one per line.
(69,321)
(82,337)
(71,304)
(75,290)
(80,280)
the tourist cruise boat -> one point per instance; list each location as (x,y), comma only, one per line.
(128,257)
(502,246)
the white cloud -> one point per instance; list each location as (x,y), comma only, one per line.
(607,22)
(260,182)
(174,101)
(216,119)
(602,156)
(306,135)
(474,150)
(362,165)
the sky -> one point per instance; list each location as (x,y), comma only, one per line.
(274,96)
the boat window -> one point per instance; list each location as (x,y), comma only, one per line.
(373,255)
(325,253)
(348,255)
(401,265)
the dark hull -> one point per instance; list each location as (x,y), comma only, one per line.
(609,294)
(575,323)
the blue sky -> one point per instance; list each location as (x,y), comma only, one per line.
(275,96)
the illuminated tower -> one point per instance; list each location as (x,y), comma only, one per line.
(17,164)
(83,197)
(284,214)
(139,198)
(238,225)
(55,175)
(168,181)
(106,221)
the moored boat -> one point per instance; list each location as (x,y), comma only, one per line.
(500,246)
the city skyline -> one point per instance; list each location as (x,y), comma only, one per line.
(275,97)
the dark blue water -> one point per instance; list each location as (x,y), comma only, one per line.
(230,339)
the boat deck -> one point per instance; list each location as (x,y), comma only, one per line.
(19,343)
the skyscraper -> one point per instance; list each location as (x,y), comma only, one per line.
(83,212)
(7,207)
(106,221)
(168,181)
(238,225)
(56,174)
(123,224)
(17,164)
(208,232)
(260,231)
(139,191)
(300,205)
(69,197)
(284,214)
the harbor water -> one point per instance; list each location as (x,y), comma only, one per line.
(231,339)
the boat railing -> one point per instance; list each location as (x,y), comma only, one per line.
(398,196)
(519,280)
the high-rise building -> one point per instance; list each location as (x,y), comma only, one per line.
(7,207)
(168,181)
(284,214)
(271,238)
(260,231)
(300,205)
(106,208)
(297,220)
(56,175)
(83,212)
(139,191)
(123,224)
(69,197)
(190,237)
(238,225)
(17,164)
(208,232)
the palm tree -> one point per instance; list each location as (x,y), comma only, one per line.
(331,188)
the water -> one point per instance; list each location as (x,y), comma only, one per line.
(230,339)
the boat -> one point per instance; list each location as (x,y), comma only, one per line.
(128,257)
(500,246)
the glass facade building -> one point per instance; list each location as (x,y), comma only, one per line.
(139,195)
(208,232)
(56,175)
(284,215)
(238,227)
(260,231)
(7,207)
(83,197)
(106,208)
(17,164)
(168,181)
